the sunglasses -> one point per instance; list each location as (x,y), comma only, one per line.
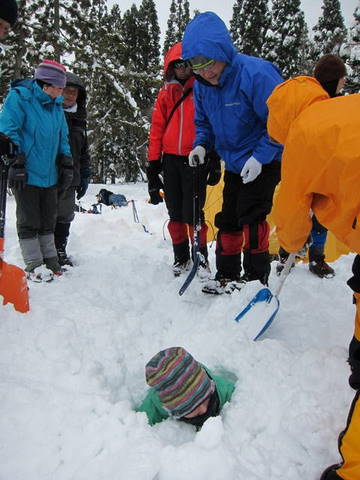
(181,64)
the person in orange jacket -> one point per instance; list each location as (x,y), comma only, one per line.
(330,72)
(171,139)
(310,125)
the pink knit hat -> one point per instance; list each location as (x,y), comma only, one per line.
(51,72)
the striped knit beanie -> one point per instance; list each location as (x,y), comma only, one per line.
(52,73)
(180,381)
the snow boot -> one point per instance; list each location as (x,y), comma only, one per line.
(182,260)
(181,267)
(321,269)
(330,473)
(61,238)
(63,258)
(220,285)
(40,274)
(203,273)
(283,256)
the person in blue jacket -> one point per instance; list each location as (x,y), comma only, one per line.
(34,120)
(230,116)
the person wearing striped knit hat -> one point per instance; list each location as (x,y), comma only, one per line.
(183,389)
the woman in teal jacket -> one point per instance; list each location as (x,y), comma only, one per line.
(183,389)
(33,119)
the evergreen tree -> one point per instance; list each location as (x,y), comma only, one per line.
(248,25)
(351,51)
(178,19)
(330,31)
(286,39)
(16,60)
(149,37)
(115,122)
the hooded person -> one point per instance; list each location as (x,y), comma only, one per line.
(8,16)
(33,119)
(183,389)
(171,138)
(330,72)
(75,113)
(310,125)
(230,115)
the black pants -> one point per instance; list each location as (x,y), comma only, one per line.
(242,224)
(36,210)
(178,187)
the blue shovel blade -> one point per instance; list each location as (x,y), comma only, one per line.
(263,295)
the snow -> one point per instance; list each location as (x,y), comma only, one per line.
(72,369)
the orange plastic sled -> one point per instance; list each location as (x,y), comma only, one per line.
(13,285)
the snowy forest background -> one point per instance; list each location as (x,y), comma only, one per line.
(119,57)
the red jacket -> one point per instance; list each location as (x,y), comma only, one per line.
(178,135)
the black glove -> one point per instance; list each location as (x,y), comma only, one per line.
(214,169)
(17,173)
(154,182)
(85,174)
(65,174)
(6,146)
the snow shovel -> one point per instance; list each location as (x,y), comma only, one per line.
(13,285)
(198,257)
(265,295)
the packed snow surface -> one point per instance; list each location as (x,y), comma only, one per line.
(72,369)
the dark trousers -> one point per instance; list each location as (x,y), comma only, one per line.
(242,224)
(36,210)
(354,349)
(179,199)
(178,188)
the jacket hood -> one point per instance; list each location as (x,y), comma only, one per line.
(174,53)
(28,87)
(73,80)
(288,100)
(207,36)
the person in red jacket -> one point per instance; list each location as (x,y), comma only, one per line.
(171,140)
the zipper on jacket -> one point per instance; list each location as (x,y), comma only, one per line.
(181,125)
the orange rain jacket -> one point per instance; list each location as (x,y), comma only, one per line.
(320,164)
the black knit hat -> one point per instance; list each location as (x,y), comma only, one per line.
(328,68)
(9,11)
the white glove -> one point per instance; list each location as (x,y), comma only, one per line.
(251,170)
(197,156)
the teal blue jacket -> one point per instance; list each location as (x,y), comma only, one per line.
(36,124)
(151,404)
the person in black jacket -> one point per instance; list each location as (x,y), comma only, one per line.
(8,16)
(75,113)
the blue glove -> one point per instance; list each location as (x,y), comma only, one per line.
(85,174)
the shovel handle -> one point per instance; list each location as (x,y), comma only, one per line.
(285,272)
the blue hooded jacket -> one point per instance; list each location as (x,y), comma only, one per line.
(36,124)
(231,116)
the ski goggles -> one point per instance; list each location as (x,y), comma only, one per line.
(180,64)
(201,63)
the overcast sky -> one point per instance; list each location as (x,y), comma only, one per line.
(224,8)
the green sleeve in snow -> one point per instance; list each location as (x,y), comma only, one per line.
(152,407)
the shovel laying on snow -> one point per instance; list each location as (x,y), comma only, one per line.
(13,285)
(270,300)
